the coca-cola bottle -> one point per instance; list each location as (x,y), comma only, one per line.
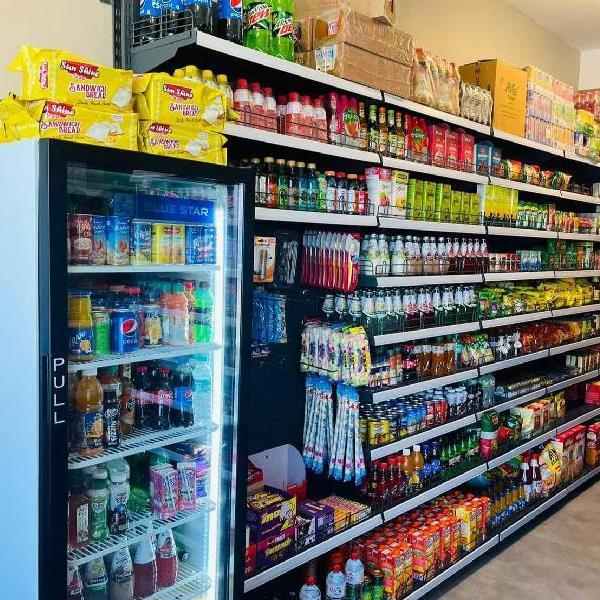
(141,393)
(161,399)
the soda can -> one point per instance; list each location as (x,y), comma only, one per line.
(98,240)
(80,234)
(178,244)
(152,325)
(430,414)
(210,245)
(194,245)
(101,329)
(123,330)
(161,243)
(140,242)
(117,240)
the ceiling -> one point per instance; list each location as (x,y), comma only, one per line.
(577,22)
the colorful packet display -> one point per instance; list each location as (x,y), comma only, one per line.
(87,125)
(65,77)
(160,97)
(318,423)
(182,141)
(339,351)
(268,317)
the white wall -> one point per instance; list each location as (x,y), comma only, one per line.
(80,26)
(589,70)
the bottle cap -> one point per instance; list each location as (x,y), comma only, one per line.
(222,78)
(207,74)
(280,161)
(100,474)
(255,87)
(336,568)
(354,555)
(269,159)
(89,372)
(340,174)
(318,103)
(268,91)
(118,477)
(282,99)
(241,83)
(416,448)
(406,452)
(310,165)
(311,581)
(293,96)
(330,173)
(300,165)
(305,99)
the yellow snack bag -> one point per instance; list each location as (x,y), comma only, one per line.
(64,77)
(166,99)
(80,123)
(182,141)
(16,123)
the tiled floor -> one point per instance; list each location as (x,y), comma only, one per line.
(557,559)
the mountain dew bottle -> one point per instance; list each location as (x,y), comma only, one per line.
(258,24)
(282,42)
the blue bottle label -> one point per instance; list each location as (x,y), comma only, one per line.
(230,9)
(182,399)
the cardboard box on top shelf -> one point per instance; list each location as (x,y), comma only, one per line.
(382,11)
(343,25)
(509,90)
(306,59)
(361,66)
(303,34)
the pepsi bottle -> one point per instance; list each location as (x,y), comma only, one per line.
(229,23)
(182,411)
(202,14)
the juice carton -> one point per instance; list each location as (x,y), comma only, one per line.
(578,449)
(592,445)
(468,527)
(410,198)
(429,201)
(452,149)
(418,208)
(456,208)
(437,144)
(379,187)
(399,193)
(163,490)
(466,151)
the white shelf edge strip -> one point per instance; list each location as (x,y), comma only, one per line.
(578,420)
(522,448)
(426,332)
(518,275)
(575,310)
(90,270)
(520,232)
(417,225)
(511,362)
(561,385)
(304,216)
(438,490)
(574,346)
(450,571)
(418,167)
(550,502)
(423,436)
(530,397)
(412,280)
(302,557)
(514,319)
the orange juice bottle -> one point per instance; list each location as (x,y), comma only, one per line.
(408,469)
(80,326)
(418,462)
(88,430)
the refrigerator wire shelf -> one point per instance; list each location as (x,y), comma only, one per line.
(157,353)
(140,527)
(203,506)
(140,441)
(190,585)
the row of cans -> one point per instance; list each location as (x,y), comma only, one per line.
(122,241)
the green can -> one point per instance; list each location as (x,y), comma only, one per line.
(101,332)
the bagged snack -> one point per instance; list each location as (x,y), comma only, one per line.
(84,124)
(64,77)
(165,99)
(15,121)
(182,141)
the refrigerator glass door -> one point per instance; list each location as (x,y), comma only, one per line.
(154,304)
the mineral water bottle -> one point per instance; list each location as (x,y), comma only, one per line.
(202,388)
(335,584)
(310,590)
(355,576)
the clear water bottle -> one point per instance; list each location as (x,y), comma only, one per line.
(355,577)
(310,590)
(202,388)
(335,587)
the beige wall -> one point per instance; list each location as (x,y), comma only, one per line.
(589,71)
(467,30)
(80,26)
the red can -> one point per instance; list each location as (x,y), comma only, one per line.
(80,236)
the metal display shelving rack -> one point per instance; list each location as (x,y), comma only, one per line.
(149,56)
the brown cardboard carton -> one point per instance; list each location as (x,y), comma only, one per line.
(303,34)
(342,25)
(382,11)
(509,89)
(306,59)
(364,67)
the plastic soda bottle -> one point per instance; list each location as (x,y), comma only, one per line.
(80,326)
(88,426)
(179,319)
(355,577)
(182,411)
(257,24)
(310,590)
(229,20)
(335,585)
(282,42)
(203,323)
(167,563)
(95,579)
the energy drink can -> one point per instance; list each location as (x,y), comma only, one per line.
(101,332)
(141,242)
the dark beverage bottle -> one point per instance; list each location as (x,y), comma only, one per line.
(171,16)
(270,182)
(392,141)
(202,13)
(392,478)
(281,183)
(229,23)
(182,411)
(382,483)
(374,482)
(149,20)
(141,394)
(161,399)
(373,130)
(293,191)
(111,413)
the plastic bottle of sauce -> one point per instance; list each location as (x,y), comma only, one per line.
(257,100)
(320,120)
(270,109)
(167,563)
(118,513)
(74,584)
(79,515)
(95,580)
(293,115)
(241,101)
(120,578)
(80,326)
(144,569)
(88,427)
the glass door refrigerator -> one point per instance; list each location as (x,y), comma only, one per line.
(124,286)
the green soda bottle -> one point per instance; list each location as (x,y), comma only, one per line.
(282,42)
(282,183)
(258,24)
